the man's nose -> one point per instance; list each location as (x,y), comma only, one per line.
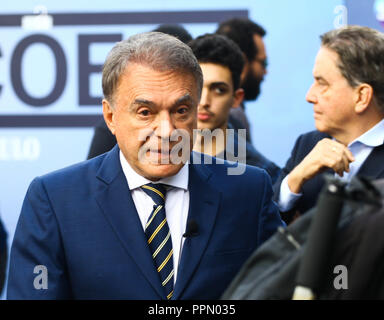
(265,70)
(165,126)
(311,96)
(205,99)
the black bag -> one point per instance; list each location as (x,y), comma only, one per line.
(357,243)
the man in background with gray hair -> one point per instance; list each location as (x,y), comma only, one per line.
(142,221)
(348,104)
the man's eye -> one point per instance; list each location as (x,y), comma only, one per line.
(182,110)
(321,82)
(219,90)
(144,113)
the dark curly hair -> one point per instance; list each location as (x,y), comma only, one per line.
(241,31)
(175,30)
(218,49)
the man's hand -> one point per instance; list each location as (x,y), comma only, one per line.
(327,153)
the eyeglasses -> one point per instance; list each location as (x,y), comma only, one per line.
(263,62)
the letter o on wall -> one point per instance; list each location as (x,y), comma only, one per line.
(61,70)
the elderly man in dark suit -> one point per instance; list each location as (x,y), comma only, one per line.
(348,104)
(143,221)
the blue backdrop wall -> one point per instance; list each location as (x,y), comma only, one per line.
(50,89)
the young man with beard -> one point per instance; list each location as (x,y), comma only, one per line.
(248,35)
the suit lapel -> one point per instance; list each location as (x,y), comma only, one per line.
(373,166)
(115,200)
(203,207)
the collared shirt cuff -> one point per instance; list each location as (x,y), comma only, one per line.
(287,198)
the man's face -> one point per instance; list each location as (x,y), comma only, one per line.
(254,71)
(150,105)
(331,95)
(217,98)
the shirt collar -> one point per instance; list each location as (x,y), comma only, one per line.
(179,180)
(373,137)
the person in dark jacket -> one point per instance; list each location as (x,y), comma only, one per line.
(348,103)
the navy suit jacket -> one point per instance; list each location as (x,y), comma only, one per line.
(373,168)
(82,225)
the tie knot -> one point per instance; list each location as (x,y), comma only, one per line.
(156,192)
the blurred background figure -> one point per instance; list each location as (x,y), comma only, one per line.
(249,37)
(103,140)
(175,30)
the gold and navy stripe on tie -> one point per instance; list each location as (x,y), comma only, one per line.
(159,237)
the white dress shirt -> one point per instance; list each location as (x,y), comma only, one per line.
(361,148)
(176,203)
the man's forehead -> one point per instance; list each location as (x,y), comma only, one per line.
(215,70)
(260,45)
(151,101)
(216,74)
(327,67)
(145,69)
(147,75)
(142,82)
(326,55)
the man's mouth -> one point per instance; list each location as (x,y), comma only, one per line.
(162,152)
(202,116)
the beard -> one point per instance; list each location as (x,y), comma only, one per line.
(251,87)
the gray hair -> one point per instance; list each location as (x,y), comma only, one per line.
(157,50)
(361,57)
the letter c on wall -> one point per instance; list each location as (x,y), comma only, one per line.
(61,70)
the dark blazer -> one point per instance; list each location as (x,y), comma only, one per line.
(253,157)
(238,120)
(81,223)
(373,167)
(103,140)
(3,255)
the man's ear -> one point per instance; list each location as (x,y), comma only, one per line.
(238,98)
(364,95)
(109,116)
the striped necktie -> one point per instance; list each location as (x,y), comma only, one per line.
(159,237)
